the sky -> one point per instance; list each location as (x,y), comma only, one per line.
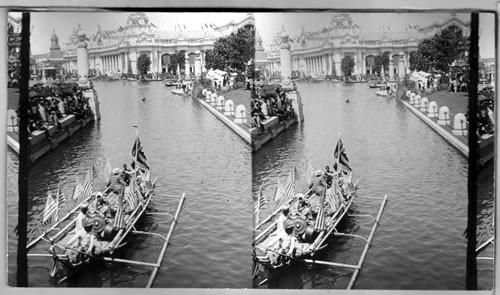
(267,24)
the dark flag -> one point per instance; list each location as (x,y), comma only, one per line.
(341,158)
(140,157)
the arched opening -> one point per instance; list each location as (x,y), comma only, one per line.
(370,64)
(166,60)
(191,59)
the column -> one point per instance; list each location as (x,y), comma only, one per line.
(401,65)
(285,57)
(407,60)
(82,56)
(391,67)
(337,57)
(159,61)
(197,64)
(186,64)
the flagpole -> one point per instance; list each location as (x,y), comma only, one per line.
(338,154)
(136,151)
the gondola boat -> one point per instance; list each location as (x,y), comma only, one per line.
(99,224)
(305,222)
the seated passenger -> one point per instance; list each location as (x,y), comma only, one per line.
(282,219)
(116,182)
(318,183)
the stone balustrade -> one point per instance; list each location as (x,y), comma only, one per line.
(441,114)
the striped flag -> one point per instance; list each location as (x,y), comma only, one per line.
(290,185)
(60,197)
(119,221)
(348,181)
(138,154)
(278,194)
(331,200)
(107,171)
(50,213)
(341,159)
(319,225)
(77,190)
(261,202)
(87,183)
(130,197)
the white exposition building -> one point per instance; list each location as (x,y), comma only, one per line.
(320,53)
(116,50)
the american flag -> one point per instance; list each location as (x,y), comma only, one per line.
(278,194)
(119,221)
(261,202)
(341,159)
(290,185)
(107,171)
(319,225)
(87,183)
(77,190)
(130,197)
(348,182)
(50,213)
(331,200)
(60,197)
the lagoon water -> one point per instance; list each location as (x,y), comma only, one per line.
(190,151)
(419,243)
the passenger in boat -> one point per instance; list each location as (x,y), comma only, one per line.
(116,181)
(282,221)
(79,221)
(126,174)
(318,183)
(329,176)
(302,207)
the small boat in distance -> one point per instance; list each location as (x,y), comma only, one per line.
(171,82)
(384,90)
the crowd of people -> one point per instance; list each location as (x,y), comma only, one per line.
(275,105)
(49,104)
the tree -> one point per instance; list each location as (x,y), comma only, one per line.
(442,50)
(233,52)
(347,65)
(13,49)
(143,63)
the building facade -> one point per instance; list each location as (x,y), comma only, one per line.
(320,53)
(115,51)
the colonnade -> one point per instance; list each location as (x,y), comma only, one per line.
(330,63)
(114,63)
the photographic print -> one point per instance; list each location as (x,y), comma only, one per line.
(132,181)
(361,177)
